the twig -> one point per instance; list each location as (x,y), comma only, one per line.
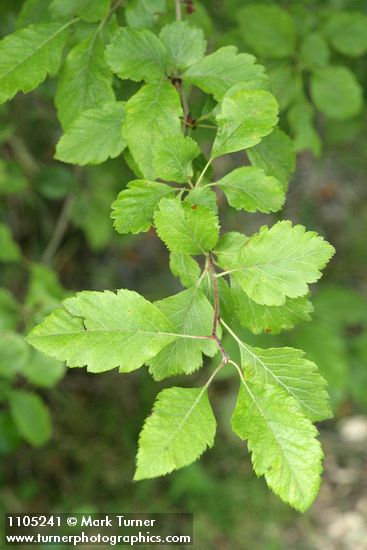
(23,156)
(203,172)
(59,231)
(211,126)
(178,10)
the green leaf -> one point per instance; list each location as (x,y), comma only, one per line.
(173,158)
(185,45)
(94,136)
(271,319)
(88,10)
(104,330)
(10,311)
(184,267)
(282,442)
(28,56)
(44,291)
(275,155)
(9,249)
(285,83)
(33,11)
(12,178)
(31,417)
(347,32)
(184,228)
(85,81)
(268,30)
(136,54)
(55,182)
(134,207)
(229,247)
(245,118)
(190,313)
(144,13)
(151,114)
(14,354)
(279,262)
(170,441)
(325,346)
(249,188)
(218,72)
(288,369)
(92,207)
(301,121)
(336,92)
(43,371)
(315,51)
(204,196)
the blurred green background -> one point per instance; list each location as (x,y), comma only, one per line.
(64,241)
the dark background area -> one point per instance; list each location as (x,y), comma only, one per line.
(88,463)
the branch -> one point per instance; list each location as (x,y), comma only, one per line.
(216,312)
(59,231)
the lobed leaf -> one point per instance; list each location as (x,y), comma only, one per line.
(271,319)
(104,330)
(280,262)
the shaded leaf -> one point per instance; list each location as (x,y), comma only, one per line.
(190,313)
(173,158)
(134,207)
(94,136)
